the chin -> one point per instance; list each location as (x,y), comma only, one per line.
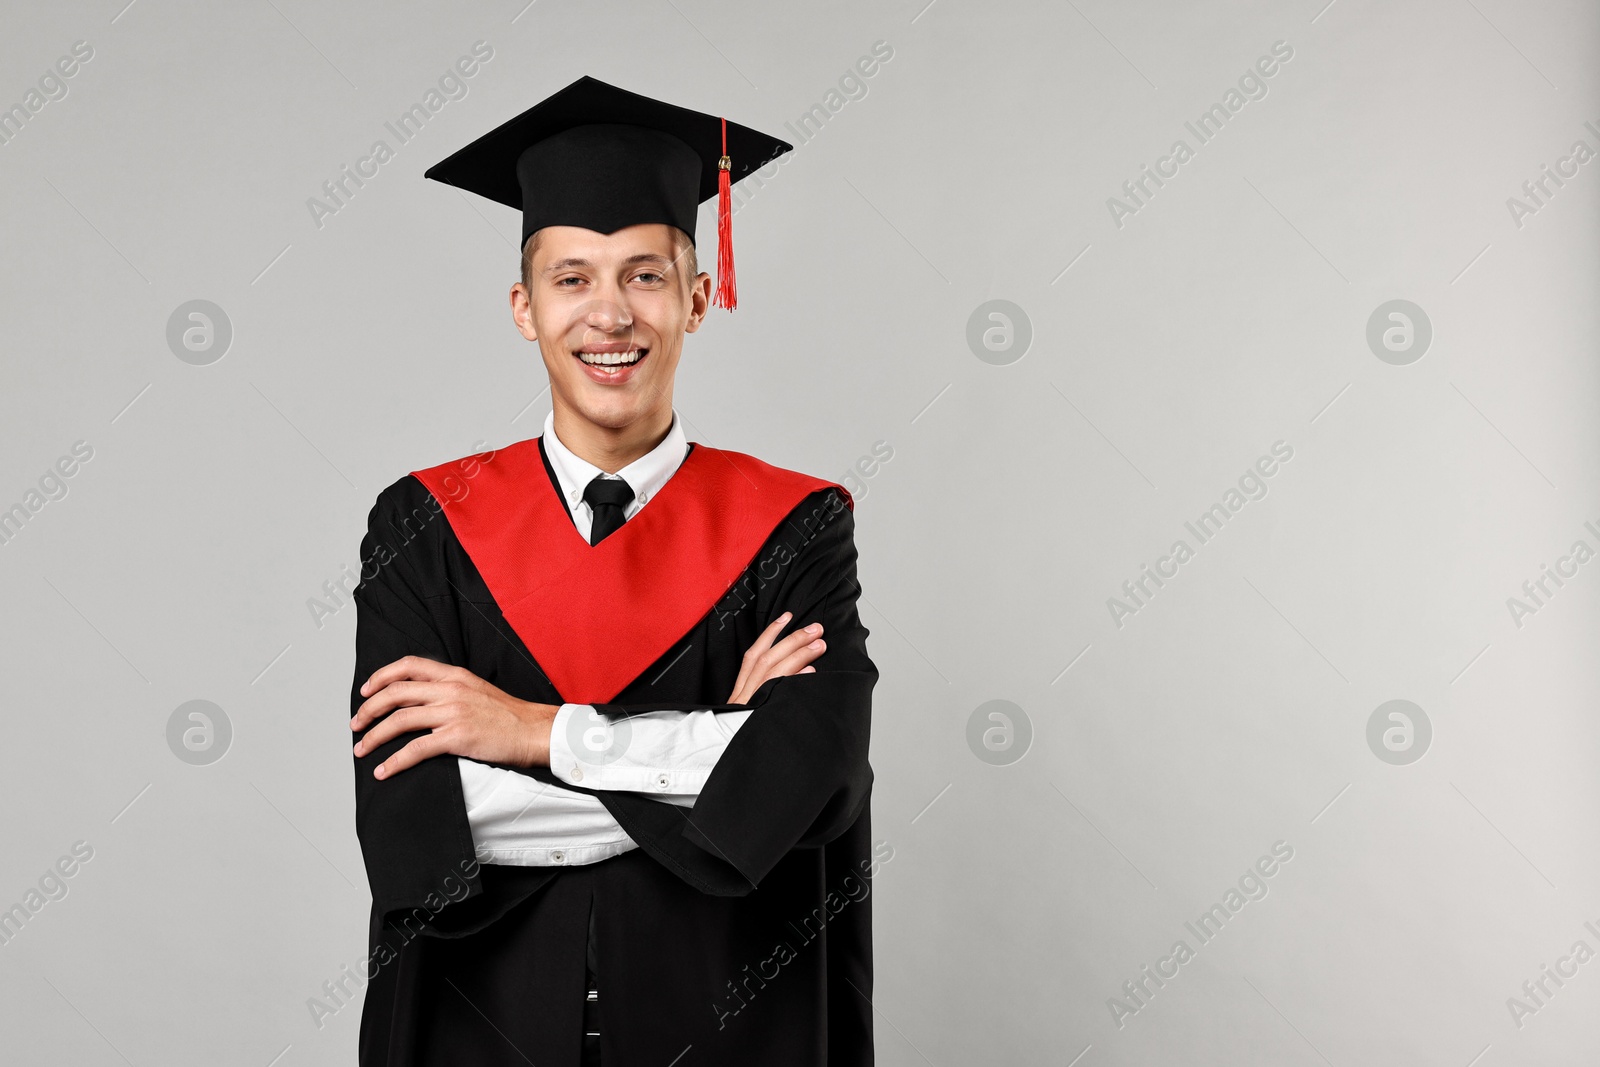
(612,412)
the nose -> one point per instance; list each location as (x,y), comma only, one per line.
(607,314)
(606,321)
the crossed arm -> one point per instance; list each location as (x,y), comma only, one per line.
(793,776)
(467,716)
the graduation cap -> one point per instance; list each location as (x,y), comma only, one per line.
(602,158)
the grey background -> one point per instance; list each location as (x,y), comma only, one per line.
(1167,754)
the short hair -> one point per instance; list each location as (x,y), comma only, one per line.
(683,247)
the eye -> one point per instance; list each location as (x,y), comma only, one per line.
(649,277)
(574,279)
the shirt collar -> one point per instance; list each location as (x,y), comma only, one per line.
(645,475)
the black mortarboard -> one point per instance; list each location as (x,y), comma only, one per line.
(603,158)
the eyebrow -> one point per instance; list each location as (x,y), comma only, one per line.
(642,257)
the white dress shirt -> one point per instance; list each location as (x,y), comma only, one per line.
(667,755)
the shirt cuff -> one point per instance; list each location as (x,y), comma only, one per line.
(521,822)
(663,754)
(555,856)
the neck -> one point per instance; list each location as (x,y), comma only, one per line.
(611,447)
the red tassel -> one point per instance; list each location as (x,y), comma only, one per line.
(727,289)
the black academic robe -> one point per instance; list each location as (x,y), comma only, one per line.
(739,932)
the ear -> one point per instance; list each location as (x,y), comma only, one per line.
(699,301)
(522,312)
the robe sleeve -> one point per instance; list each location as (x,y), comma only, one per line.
(413,828)
(796,774)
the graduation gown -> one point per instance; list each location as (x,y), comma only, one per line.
(739,932)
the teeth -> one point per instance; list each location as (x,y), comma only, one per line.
(605,359)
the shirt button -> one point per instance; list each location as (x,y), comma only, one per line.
(558,856)
(662,781)
(577,774)
(643,497)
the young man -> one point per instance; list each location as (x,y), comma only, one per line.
(612,695)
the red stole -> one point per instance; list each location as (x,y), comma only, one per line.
(596,617)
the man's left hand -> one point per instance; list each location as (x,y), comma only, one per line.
(465,716)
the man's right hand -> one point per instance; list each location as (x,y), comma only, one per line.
(765,660)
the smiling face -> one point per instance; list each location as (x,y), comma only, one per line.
(610,312)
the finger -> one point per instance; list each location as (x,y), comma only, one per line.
(403,721)
(738,684)
(414,668)
(753,655)
(424,747)
(764,640)
(398,695)
(789,665)
(787,647)
(807,670)
(792,663)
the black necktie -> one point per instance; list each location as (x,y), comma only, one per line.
(606,497)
